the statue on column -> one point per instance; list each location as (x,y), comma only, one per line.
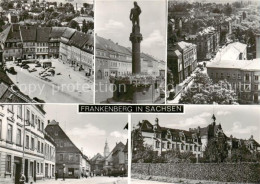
(134,14)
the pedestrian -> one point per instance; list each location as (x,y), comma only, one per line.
(69,76)
(56,175)
(22,178)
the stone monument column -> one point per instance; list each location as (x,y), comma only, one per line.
(136,38)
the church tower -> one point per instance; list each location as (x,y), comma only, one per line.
(106,149)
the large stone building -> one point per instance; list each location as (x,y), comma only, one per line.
(207,42)
(194,140)
(54,41)
(243,75)
(113,59)
(69,159)
(25,146)
(162,139)
(182,60)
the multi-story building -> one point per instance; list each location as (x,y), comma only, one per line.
(65,49)
(42,39)
(162,139)
(207,42)
(13,46)
(82,51)
(28,35)
(183,60)
(233,51)
(54,41)
(69,159)
(23,144)
(113,59)
(118,156)
(195,140)
(243,75)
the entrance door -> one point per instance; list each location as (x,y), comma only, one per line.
(256,98)
(46,170)
(17,169)
(26,170)
(99,74)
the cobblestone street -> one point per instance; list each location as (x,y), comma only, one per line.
(94,180)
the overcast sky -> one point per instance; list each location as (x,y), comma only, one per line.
(112,22)
(239,121)
(89,131)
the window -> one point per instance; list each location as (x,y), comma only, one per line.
(172,146)
(42,126)
(61,157)
(8,163)
(163,145)
(27,115)
(182,147)
(42,148)
(32,143)
(41,167)
(19,111)
(27,142)
(70,157)
(11,108)
(187,147)
(9,133)
(256,77)
(238,76)
(247,77)
(38,168)
(256,86)
(33,120)
(39,124)
(77,157)
(39,146)
(190,148)
(19,137)
(157,144)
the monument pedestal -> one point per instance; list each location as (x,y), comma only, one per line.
(136,88)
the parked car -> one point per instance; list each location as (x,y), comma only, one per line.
(25,66)
(38,65)
(46,74)
(117,172)
(11,70)
(32,70)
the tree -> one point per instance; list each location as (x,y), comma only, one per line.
(228,10)
(74,25)
(216,150)
(84,26)
(204,91)
(86,5)
(82,11)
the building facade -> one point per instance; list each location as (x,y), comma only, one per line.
(69,159)
(243,75)
(23,144)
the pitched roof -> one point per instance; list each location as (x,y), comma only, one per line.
(57,32)
(68,33)
(43,34)
(28,33)
(79,39)
(4,34)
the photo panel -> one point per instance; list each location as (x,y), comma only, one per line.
(39,145)
(206,144)
(130,59)
(213,52)
(47,51)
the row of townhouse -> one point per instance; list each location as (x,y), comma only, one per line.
(116,60)
(25,146)
(77,49)
(243,75)
(182,60)
(28,42)
(207,42)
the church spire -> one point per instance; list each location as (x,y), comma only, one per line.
(106,149)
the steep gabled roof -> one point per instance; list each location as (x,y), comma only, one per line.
(43,34)
(57,32)
(68,33)
(28,33)
(79,39)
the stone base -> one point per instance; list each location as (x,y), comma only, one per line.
(138,94)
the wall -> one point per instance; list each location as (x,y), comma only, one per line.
(224,172)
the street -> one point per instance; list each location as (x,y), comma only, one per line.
(69,87)
(136,181)
(94,180)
